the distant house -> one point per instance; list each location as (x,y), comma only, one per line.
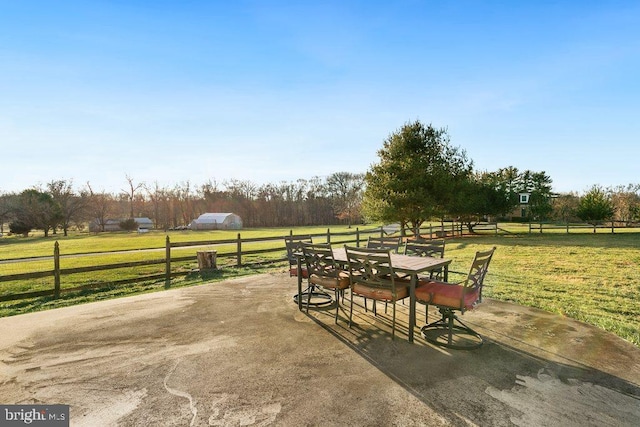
(114,224)
(217,221)
(523,209)
(144,223)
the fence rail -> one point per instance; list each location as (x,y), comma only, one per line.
(31,284)
(169,261)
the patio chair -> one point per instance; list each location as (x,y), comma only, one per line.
(294,250)
(324,272)
(432,248)
(294,246)
(372,276)
(392,243)
(423,247)
(450,331)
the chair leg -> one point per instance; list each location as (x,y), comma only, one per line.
(351,309)
(442,332)
(311,287)
(393,322)
(337,292)
(450,325)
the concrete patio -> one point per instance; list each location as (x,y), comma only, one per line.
(240,353)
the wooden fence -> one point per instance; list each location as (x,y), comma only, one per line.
(567,227)
(237,257)
(169,261)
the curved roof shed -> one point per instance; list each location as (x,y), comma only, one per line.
(217,221)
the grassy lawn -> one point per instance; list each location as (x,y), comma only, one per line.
(79,243)
(592,277)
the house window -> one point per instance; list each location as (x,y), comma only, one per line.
(524,198)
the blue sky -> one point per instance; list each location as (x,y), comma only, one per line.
(270,91)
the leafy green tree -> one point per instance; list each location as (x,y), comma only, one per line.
(482,196)
(36,209)
(538,184)
(540,207)
(72,205)
(595,206)
(19,227)
(128,224)
(416,178)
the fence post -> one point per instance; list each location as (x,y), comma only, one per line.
(567,227)
(167,259)
(529,228)
(239,255)
(357,237)
(328,236)
(612,227)
(56,270)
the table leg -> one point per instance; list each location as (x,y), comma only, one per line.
(412,305)
(299,266)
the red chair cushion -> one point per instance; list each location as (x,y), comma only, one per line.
(382,294)
(446,295)
(293,271)
(340,282)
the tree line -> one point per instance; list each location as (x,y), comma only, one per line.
(58,206)
(420,176)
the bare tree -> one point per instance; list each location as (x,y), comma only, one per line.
(99,206)
(158,197)
(131,193)
(7,209)
(345,190)
(626,202)
(182,203)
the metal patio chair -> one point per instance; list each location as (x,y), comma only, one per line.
(294,250)
(449,331)
(324,272)
(372,276)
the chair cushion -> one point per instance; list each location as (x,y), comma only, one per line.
(446,294)
(382,294)
(340,282)
(293,271)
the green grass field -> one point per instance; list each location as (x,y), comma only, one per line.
(591,277)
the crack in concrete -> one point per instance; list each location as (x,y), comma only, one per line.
(180,393)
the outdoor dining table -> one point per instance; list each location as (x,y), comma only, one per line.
(407,264)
